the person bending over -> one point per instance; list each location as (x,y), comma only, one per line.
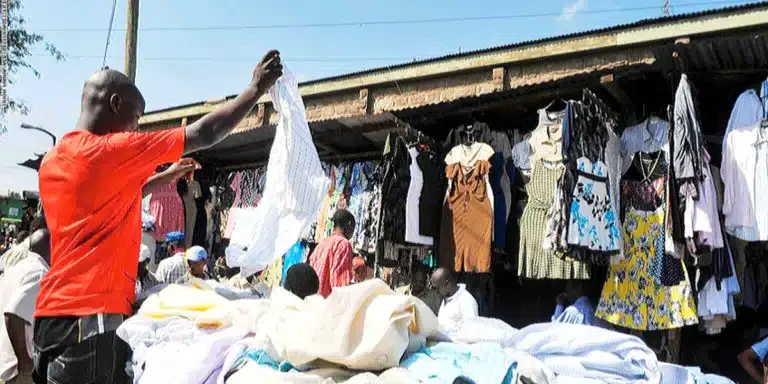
(301,280)
(457,305)
(332,259)
(580,310)
(90,188)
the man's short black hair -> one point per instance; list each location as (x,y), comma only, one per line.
(418,267)
(342,218)
(302,280)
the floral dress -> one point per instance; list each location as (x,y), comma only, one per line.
(633,296)
(592,226)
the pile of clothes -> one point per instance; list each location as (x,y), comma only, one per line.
(366,333)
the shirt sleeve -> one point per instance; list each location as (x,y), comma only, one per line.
(761,349)
(140,153)
(570,315)
(727,166)
(22,301)
(558,311)
(341,265)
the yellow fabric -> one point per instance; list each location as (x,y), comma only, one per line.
(195,301)
(632,297)
(363,326)
(273,274)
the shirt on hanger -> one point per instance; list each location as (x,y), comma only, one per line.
(546,141)
(747,111)
(468,155)
(744,170)
(412,229)
(652,135)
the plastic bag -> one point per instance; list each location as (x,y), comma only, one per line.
(292,198)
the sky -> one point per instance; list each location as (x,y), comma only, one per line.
(181,62)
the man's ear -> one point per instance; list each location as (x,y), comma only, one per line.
(114,102)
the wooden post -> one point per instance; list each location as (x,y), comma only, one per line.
(131,36)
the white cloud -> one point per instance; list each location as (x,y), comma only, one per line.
(570,10)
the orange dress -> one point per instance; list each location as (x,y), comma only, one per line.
(465,241)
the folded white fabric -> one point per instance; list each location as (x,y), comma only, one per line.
(588,352)
(364,326)
(292,198)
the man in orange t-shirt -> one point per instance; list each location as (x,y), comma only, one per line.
(90,188)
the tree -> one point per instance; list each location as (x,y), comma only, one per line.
(20,44)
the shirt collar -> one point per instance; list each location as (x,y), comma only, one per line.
(462,287)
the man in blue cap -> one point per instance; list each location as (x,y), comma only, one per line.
(196,257)
(170,269)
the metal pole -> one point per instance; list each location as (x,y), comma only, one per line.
(131,37)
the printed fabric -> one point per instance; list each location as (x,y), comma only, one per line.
(592,228)
(633,296)
(367,230)
(296,186)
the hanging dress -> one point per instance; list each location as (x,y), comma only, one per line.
(465,239)
(633,295)
(165,206)
(535,262)
(592,226)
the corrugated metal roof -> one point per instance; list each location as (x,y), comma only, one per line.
(639,23)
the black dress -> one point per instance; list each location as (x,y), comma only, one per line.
(394,191)
(432,194)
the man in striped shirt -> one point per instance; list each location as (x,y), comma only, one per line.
(171,269)
(332,259)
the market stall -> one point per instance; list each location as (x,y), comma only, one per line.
(620,165)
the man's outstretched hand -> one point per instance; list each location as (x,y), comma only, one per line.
(215,126)
(267,71)
(182,168)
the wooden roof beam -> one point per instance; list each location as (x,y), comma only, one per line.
(611,84)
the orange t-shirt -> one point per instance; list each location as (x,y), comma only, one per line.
(90,187)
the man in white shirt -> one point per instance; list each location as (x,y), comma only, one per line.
(18,291)
(458,304)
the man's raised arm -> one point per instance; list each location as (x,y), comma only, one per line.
(215,126)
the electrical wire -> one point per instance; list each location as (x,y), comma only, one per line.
(109,33)
(251,60)
(399,22)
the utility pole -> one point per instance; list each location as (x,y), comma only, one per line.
(666,10)
(131,36)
